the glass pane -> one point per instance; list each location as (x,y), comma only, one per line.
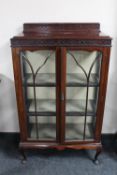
(39,86)
(82,85)
(45,100)
(44,129)
(75,127)
(80,64)
(42,65)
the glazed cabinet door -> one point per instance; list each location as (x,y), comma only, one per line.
(40,88)
(81,92)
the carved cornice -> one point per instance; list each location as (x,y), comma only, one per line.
(60,42)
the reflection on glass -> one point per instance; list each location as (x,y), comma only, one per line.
(82,84)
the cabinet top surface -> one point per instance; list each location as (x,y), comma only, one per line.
(59,31)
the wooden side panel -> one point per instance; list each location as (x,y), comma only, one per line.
(19,94)
(102,92)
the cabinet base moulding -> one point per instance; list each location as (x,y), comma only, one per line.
(92,146)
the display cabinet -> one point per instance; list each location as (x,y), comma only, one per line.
(61,73)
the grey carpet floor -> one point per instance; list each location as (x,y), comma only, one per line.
(52,162)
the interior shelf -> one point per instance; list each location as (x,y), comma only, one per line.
(73,131)
(42,79)
(49,79)
(77,107)
(45,131)
(74,79)
(46,107)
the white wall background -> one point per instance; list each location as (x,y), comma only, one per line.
(12,16)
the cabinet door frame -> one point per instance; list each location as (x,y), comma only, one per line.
(20,97)
(101,95)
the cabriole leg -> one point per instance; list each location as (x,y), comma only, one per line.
(23,156)
(98,151)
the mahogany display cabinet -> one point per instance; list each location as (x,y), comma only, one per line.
(61,72)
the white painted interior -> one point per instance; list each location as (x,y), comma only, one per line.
(12,16)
